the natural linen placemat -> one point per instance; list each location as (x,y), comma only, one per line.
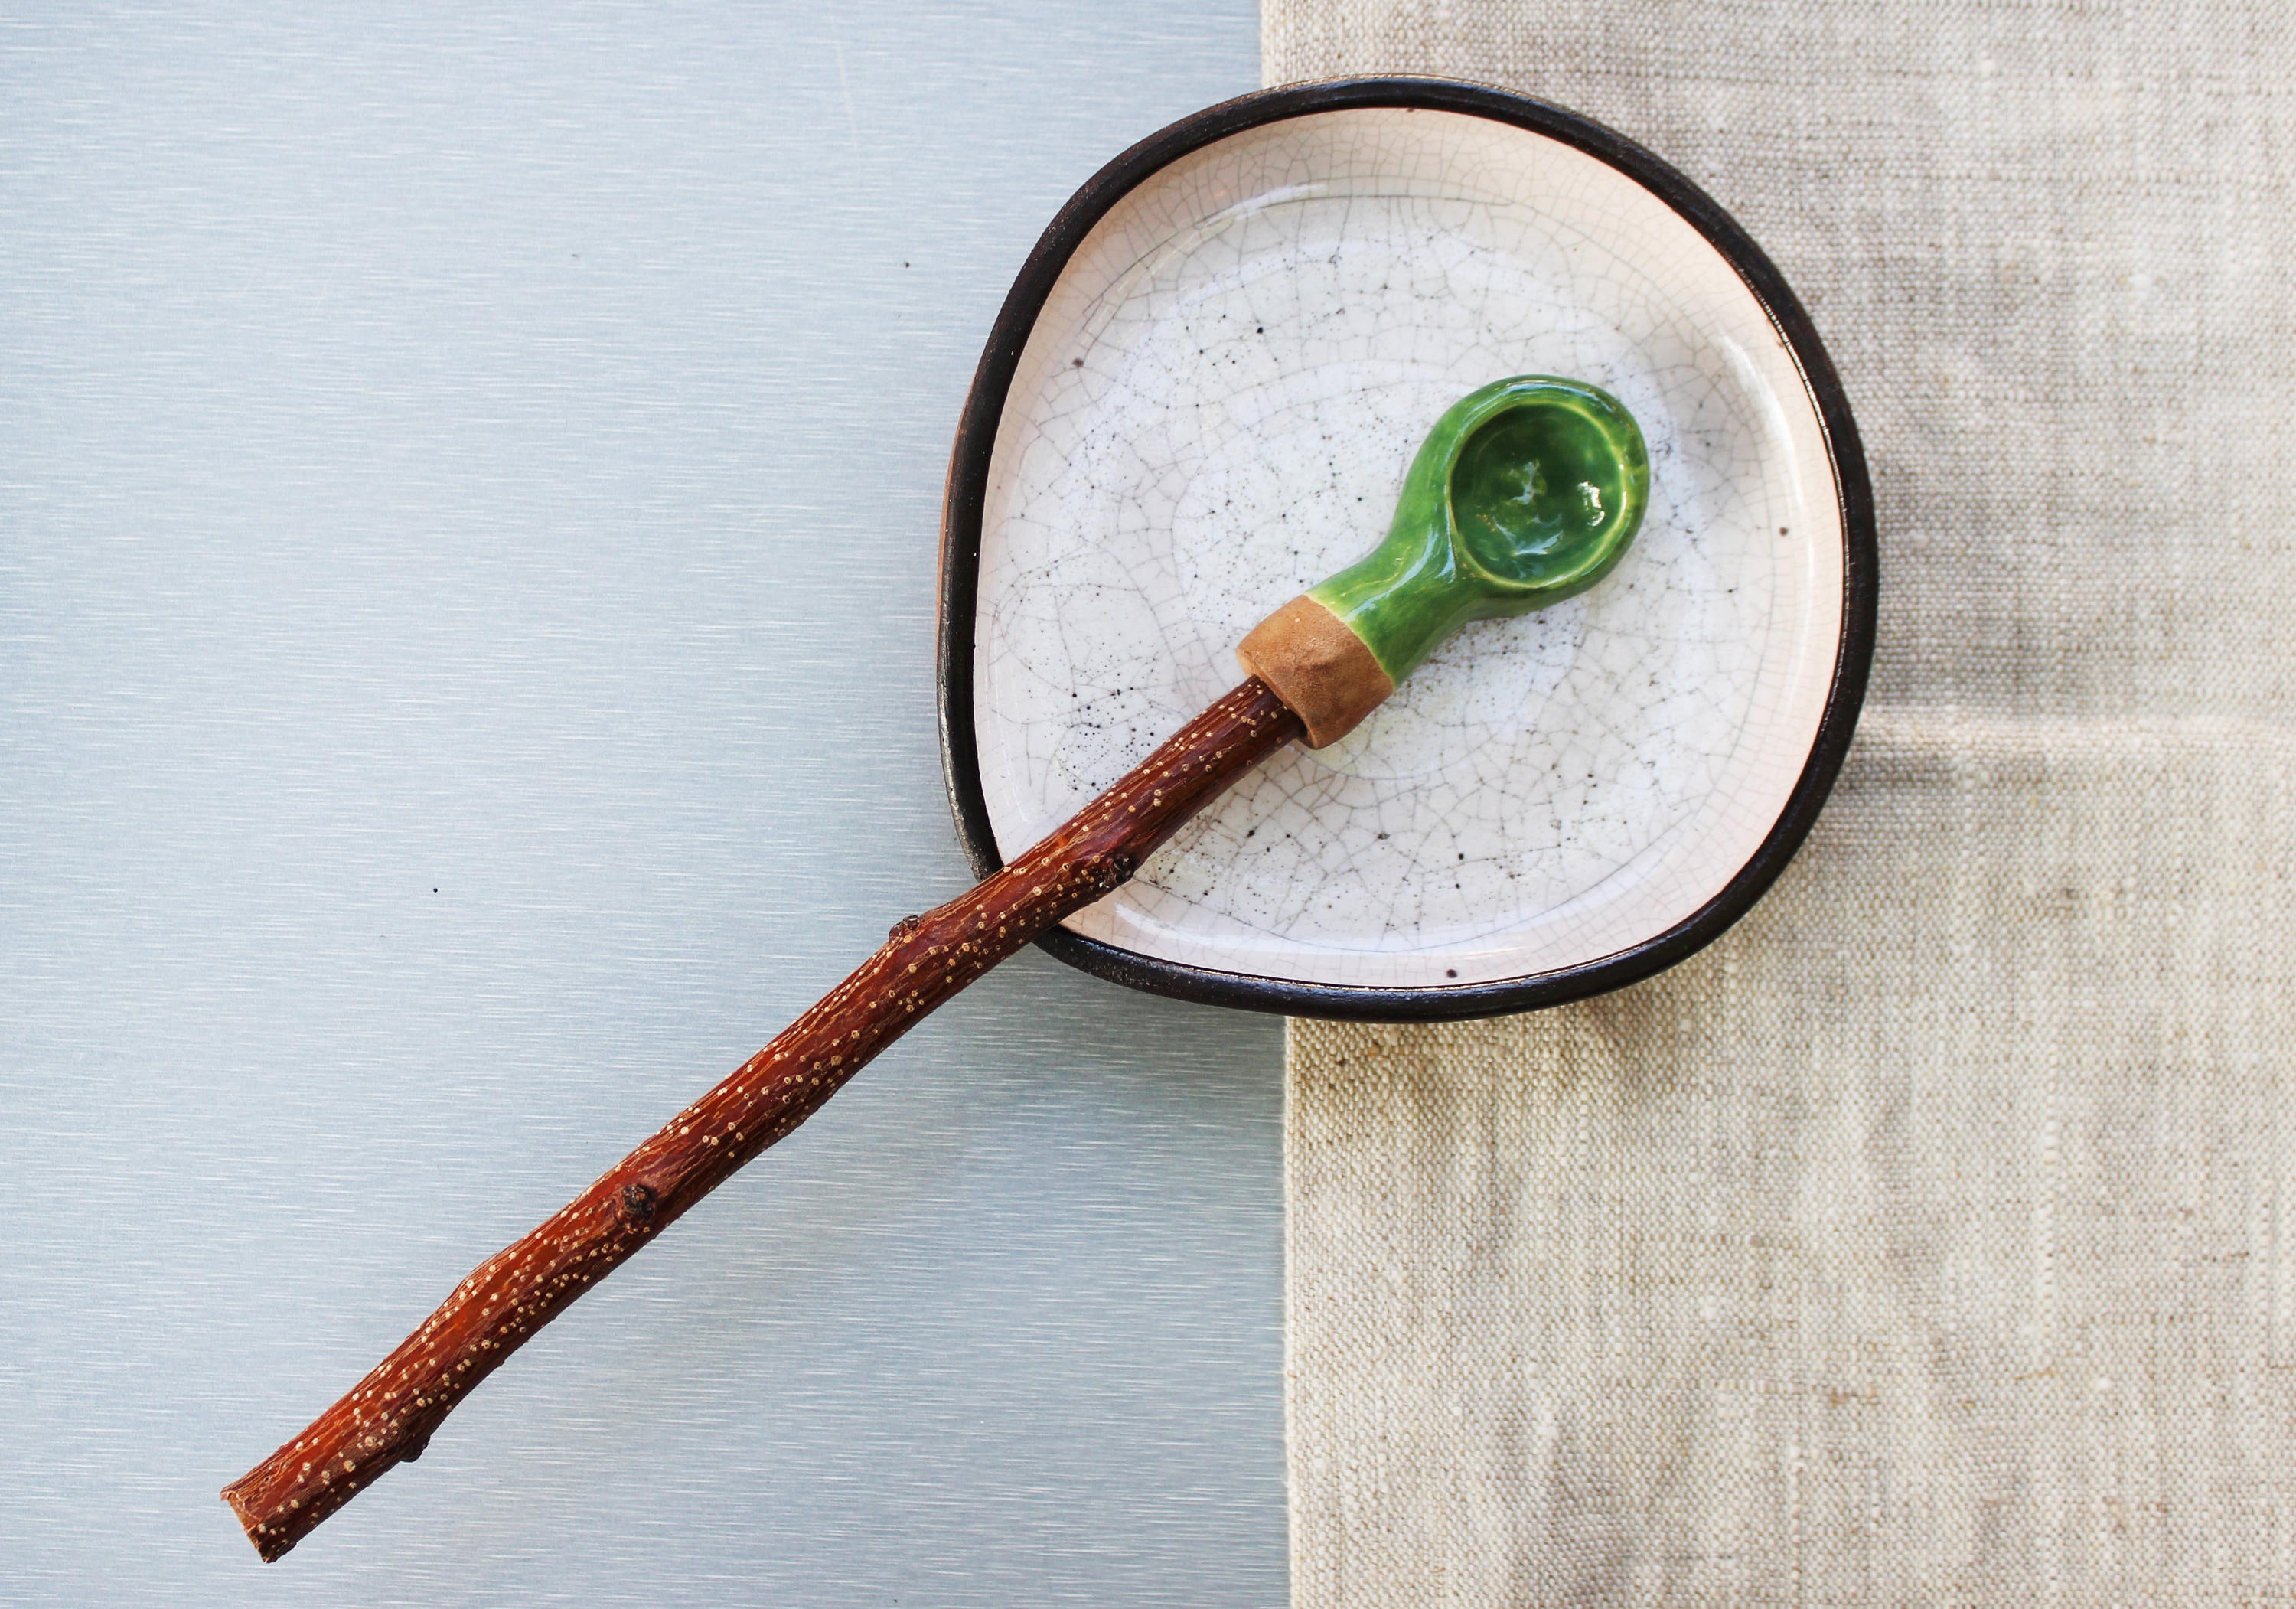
(1931,1239)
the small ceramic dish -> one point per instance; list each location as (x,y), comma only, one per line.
(1200,397)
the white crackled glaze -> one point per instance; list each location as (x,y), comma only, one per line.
(1215,410)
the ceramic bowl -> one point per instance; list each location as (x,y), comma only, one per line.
(1200,398)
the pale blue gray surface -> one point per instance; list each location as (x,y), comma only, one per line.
(468,490)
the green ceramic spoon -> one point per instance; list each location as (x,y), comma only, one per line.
(1525,492)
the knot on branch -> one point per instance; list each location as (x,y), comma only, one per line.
(903,928)
(1110,872)
(637,1203)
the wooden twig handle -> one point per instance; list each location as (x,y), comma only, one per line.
(387,1416)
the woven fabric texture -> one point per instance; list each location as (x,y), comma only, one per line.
(1932,1238)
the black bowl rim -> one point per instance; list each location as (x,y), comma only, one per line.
(967,490)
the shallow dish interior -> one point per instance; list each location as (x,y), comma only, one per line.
(1214,410)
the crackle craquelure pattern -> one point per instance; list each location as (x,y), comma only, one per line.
(1213,411)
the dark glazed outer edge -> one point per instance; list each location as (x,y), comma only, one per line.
(968,484)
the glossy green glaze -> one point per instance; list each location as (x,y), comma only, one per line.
(1525,492)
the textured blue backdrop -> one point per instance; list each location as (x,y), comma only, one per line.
(468,497)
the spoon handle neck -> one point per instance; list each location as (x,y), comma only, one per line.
(1318,665)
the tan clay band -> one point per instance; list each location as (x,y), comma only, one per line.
(1319,669)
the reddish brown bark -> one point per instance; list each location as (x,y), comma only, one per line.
(387,1416)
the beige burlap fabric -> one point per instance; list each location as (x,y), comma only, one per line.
(1932,1239)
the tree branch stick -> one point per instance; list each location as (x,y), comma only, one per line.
(387,1419)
